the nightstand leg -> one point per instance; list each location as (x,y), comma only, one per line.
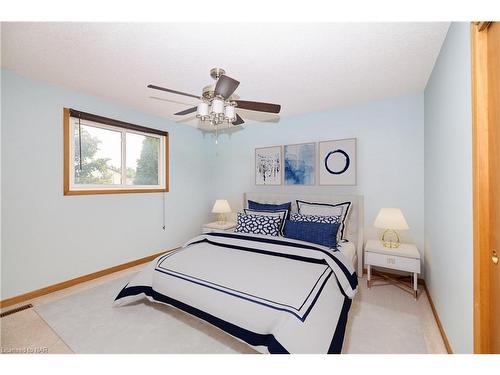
(415,284)
(369,273)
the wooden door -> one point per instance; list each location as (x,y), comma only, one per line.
(494,150)
(486,122)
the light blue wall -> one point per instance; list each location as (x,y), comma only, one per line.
(48,237)
(390,150)
(448,188)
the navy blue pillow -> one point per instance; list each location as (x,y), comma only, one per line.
(318,233)
(270,207)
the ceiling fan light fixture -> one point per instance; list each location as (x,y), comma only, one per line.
(230,113)
(217,106)
(218,103)
(202,110)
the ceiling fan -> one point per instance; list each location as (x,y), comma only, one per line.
(219,103)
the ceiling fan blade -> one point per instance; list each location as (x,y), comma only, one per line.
(173,91)
(225,86)
(258,106)
(186,111)
(238,120)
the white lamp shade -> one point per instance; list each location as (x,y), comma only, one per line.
(202,109)
(229,112)
(217,106)
(221,206)
(391,218)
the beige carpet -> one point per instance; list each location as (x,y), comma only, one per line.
(88,323)
(382,320)
(385,319)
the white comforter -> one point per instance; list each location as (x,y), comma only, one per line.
(276,294)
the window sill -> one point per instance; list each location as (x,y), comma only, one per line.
(113,191)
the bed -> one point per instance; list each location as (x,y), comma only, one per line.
(276,294)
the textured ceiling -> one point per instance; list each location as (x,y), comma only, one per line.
(304,67)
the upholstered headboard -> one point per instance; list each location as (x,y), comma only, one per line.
(355,220)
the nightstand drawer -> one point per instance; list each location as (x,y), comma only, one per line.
(393,262)
(208,230)
(228,226)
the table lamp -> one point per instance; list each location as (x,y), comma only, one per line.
(221,208)
(391,219)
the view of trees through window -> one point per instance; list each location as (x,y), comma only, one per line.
(101,154)
(142,159)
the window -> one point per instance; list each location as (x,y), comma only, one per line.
(104,156)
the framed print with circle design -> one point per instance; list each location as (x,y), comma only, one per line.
(337,162)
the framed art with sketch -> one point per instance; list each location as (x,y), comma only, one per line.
(268,165)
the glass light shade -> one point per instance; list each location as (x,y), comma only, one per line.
(391,218)
(202,109)
(221,206)
(217,106)
(230,113)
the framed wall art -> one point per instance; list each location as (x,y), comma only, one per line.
(268,165)
(300,164)
(337,162)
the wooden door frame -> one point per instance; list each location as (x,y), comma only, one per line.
(481,186)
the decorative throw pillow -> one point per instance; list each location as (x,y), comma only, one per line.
(270,207)
(258,224)
(315,218)
(325,209)
(281,214)
(318,233)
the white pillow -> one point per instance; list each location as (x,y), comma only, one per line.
(326,209)
(317,209)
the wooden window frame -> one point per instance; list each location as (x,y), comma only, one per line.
(68,113)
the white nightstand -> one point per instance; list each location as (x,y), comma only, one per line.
(404,258)
(228,226)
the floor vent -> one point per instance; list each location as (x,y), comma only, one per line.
(17,309)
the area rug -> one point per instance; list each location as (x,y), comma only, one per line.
(382,320)
(88,323)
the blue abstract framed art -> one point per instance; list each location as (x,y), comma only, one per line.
(300,164)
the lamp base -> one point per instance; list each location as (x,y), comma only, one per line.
(390,239)
(221,219)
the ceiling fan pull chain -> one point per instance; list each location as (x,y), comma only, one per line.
(163,206)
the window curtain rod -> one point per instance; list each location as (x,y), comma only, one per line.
(109,121)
